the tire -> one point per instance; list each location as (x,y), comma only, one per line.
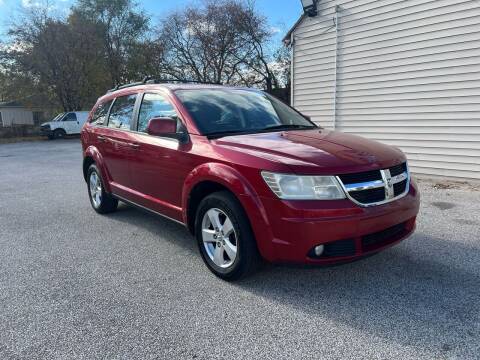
(223,206)
(101,201)
(59,134)
(50,137)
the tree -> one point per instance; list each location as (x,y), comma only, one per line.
(282,72)
(146,60)
(258,36)
(210,43)
(72,59)
(122,29)
(60,58)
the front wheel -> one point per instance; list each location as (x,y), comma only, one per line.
(225,238)
(59,134)
(102,202)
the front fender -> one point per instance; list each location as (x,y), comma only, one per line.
(55,126)
(234,181)
(93,153)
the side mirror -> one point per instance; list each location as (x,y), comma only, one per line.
(166,127)
(162,126)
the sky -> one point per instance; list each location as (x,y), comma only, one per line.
(281,14)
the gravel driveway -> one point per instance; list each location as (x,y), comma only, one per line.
(74,284)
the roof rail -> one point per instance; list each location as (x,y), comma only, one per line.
(152,80)
(182,81)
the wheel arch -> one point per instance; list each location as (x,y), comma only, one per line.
(87,161)
(199,191)
(209,178)
(93,156)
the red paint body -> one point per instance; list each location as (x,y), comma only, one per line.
(159,174)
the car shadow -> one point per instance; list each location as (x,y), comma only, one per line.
(168,230)
(398,295)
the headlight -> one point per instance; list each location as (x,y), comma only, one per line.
(295,187)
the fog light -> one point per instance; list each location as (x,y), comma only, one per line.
(319,250)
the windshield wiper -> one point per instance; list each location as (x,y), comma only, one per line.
(219,134)
(288,126)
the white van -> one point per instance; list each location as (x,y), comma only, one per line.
(69,123)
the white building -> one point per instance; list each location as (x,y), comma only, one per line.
(404,72)
(15,114)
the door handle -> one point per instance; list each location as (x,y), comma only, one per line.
(101,138)
(134,146)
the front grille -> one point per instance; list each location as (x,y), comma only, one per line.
(338,248)
(361,177)
(398,169)
(384,237)
(367,243)
(399,188)
(369,196)
(376,186)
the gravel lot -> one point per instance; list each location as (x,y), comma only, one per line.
(74,284)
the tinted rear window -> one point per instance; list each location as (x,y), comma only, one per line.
(100,115)
(122,112)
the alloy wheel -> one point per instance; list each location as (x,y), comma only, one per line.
(95,189)
(219,238)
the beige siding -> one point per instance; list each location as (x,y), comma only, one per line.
(16,116)
(408,74)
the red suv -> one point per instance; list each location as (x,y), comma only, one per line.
(249,176)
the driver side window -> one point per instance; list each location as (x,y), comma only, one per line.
(154,105)
(70,117)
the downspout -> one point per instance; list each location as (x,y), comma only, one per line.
(335,22)
(292,74)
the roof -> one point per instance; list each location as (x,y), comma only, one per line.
(33,101)
(16,104)
(172,87)
(287,38)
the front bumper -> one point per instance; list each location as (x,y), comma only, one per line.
(46,131)
(347,231)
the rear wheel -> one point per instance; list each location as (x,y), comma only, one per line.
(102,202)
(59,134)
(225,238)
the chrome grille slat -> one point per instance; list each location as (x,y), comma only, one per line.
(392,180)
(365,185)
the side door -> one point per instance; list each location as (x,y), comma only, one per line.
(160,165)
(118,144)
(99,122)
(70,123)
(81,119)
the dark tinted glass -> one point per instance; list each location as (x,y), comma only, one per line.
(217,111)
(70,117)
(154,105)
(121,112)
(100,115)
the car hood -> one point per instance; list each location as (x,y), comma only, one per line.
(317,151)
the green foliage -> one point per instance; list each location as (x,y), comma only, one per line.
(69,62)
(122,29)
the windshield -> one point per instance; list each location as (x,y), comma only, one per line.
(58,117)
(223,112)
